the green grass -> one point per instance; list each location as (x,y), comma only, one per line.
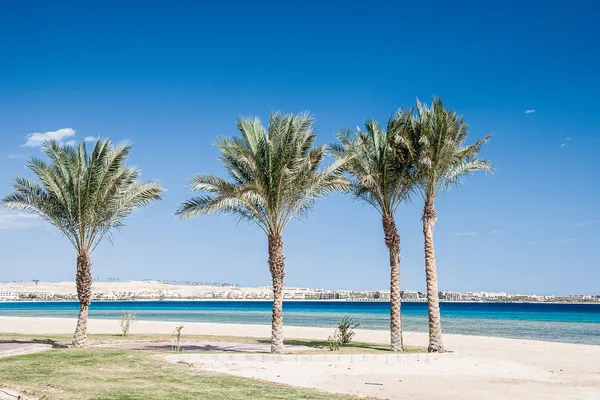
(318,346)
(107,374)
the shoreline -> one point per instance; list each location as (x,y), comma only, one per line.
(66,325)
(579,324)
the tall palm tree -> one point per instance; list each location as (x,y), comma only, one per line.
(84,196)
(274,176)
(380,177)
(435,140)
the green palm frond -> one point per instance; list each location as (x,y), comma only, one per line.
(275,174)
(434,138)
(84,195)
(379,170)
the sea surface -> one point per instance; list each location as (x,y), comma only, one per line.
(573,323)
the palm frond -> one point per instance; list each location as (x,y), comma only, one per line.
(434,139)
(378,169)
(84,195)
(275,173)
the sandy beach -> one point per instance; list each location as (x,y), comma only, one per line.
(478,366)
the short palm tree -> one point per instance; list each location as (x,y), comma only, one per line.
(84,196)
(274,176)
(379,173)
(435,140)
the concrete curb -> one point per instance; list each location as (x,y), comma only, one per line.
(305,358)
(30,349)
(8,394)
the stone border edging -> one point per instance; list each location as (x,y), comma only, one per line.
(31,349)
(379,358)
(9,394)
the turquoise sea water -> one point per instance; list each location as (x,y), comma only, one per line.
(574,323)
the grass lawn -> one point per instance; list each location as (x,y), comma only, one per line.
(108,374)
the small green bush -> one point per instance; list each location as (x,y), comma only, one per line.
(126,322)
(177,339)
(334,341)
(346,328)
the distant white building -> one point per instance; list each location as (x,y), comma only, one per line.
(105,296)
(384,294)
(493,295)
(293,294)
(6,295)
(410,295)
(449,295)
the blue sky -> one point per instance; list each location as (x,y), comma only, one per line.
(172,77)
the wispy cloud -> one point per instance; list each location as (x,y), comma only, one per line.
(565,142)
(534,242)
(19,220)
(494,232)
(16,156)
(90,139)
(529,111)
(37,139)
(587,222)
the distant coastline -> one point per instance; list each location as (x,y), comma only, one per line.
(197,291)
(305,300)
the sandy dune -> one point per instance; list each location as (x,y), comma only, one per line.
(480,367)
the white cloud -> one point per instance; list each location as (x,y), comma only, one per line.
(37,139)
(551,241)
(90,139)
(16,156)
(588,222)
(19,220)
(529,111)
(540,242)
(563,145)
(71,142)
(568,138)
(494,232)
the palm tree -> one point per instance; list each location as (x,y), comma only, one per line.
(435,140)
(84,196)
(274,176)
(379,173)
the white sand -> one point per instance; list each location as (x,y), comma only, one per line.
(481,367)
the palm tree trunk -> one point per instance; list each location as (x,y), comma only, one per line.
(83,281)
(433,302)
(276,265)
(392,241)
